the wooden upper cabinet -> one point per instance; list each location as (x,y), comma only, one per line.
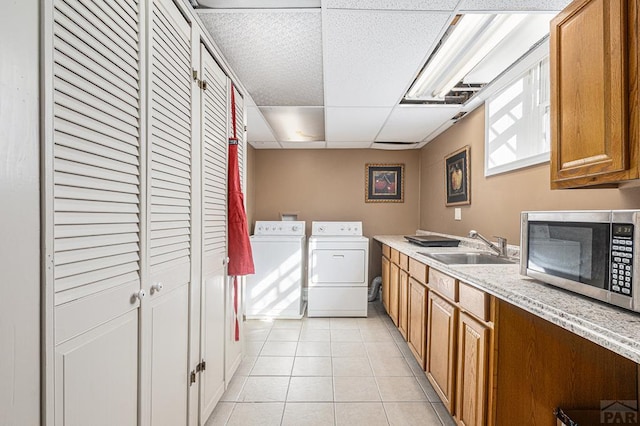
(592,107)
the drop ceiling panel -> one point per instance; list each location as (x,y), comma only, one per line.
(303,145)
(265,145)
(391,4)
(413,123)
(257,127)
(348,145)
(513,5)
(297,124)
(277,54)
(371,57)
(354,124)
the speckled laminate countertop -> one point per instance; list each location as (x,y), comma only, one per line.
(608,326)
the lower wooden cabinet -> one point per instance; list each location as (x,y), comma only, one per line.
(441,340)
(403,299)
(386,264)
(417,320)
(472,371)
(392,306)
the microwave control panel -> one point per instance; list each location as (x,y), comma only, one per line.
(622,258)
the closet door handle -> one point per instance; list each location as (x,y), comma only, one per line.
(225,261)
(157,287)
(139,295)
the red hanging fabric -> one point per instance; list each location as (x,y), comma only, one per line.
(240,255)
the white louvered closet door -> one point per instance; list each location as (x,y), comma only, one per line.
(242,143)
(96,210)
(214,112)
(166,327)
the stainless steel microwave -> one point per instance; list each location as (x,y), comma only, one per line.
(594,253)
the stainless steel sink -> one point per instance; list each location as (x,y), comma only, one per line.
(467,258)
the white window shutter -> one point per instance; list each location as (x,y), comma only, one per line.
(96,146)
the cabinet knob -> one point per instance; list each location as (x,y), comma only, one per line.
(157,287)
(140,294)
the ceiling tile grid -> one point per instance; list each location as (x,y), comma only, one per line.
(391,4)
(354,124)
(371,57)
(413,123)
(513,5)
(258,129)
(277,54)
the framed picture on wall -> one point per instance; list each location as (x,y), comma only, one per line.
(456,166)
(384,183)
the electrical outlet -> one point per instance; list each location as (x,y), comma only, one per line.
(457,213)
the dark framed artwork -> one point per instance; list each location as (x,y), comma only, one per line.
(384,183)
(456,166)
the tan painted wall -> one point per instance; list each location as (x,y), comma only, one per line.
(329,185)
(496,201)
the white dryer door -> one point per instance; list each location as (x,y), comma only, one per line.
(336,266)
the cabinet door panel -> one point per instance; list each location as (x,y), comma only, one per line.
(169,366)
(403,299)
(471,397)
(589,93)
(441,332)
(393,292)
(386,274)
(417,320)
(97,375)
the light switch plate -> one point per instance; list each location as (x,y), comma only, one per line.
(457,213)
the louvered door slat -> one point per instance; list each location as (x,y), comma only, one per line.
(84,65)
(96,146)
(214,149)
(109,116)
(118,40)
(170,150)
(68,115)
(116,20)
(83,157)
(91,239)
(84,145)
(130,7)
(62,233)
(80,83)
(101,45)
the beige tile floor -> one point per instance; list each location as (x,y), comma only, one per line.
(328,371)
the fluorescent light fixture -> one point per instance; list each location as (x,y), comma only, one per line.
(469,40)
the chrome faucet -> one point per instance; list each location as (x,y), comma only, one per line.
(500,249)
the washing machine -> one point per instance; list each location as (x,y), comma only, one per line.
(338,269)
(279,255)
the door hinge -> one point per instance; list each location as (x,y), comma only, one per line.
(201,367)
(192,378)
(202,84)
(194,73)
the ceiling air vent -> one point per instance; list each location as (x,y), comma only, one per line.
(459,115)
(393,145)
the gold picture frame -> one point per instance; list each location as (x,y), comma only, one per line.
(384,183)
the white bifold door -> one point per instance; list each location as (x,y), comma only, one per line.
(94,185)
(166,314)
(214,135)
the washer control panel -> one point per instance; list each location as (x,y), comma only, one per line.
(274,227)
(336,228)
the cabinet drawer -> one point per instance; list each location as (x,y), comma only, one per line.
(418,270)
(404,262)
(386,251)
(443,284)
(395,256)
(474,301)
